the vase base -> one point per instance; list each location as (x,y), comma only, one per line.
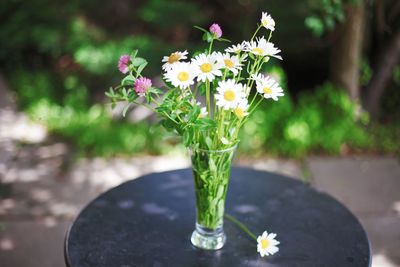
(204,238)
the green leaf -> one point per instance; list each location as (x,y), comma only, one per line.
(315,25)
(209,142)
(168,124)
(340,16)
(223,40)
(188,136)
(211,163)
(200,28)
(132,96)
(220,192)
(208,37)
(148,98)
(134,53)
(126,109)
(205,124)
(110,93)
(329,22)
(194,113)
(136,62)
(156,90)
(128,80)
(140,68)
(202,89)
(161,109)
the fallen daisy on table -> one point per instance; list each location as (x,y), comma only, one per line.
(267,244)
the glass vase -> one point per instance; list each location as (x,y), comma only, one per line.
(211,172)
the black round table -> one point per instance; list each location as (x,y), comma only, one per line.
(148,222)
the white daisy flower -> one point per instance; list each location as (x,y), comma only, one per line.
(172,59)
(269,88)
(203,110)
(257,77)
(229,62)
(180,75)
(236,49)
(230,94)
(243,57)
(241,110)
(267,21)
(262,47)
(206,67)
(267,244)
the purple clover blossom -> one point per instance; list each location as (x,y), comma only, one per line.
(215,29)
(142,85)
(123,63)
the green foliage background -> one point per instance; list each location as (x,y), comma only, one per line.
(60,57)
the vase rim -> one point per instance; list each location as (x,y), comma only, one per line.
(215,151)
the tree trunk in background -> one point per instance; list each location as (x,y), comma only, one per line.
(389,58)
(346,50)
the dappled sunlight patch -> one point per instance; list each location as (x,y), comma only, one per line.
(40,194)
(49,221)
(155,209)
(6,205)
(63,209)
(7,244)
(396,207)
(381,260)
(243,209)
(103,173)
(53,150)
(27,175)
(19,127)
(290,168)
(126,204)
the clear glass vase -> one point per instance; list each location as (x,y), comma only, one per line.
(211,172)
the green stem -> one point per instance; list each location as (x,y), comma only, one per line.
(252,101)
(254,35)
(221,125)
(256,105)
(210,47)
(169,117)
(141,104)
(270,35)
(208,97)
(241,226)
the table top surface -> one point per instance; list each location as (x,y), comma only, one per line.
(148,222)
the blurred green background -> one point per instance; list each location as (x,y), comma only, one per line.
(340,73)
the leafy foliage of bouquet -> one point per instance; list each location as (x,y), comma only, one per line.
(231,87)
(229,82)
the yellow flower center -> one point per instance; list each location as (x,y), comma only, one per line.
(257,50)
(229,63)
(229,95)
(183,76)
(174,57)
(206,67)
(264,22)
(267,90)
(264,243)
(239,112)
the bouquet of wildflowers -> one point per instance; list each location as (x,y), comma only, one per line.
(207,98)
(230,82)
